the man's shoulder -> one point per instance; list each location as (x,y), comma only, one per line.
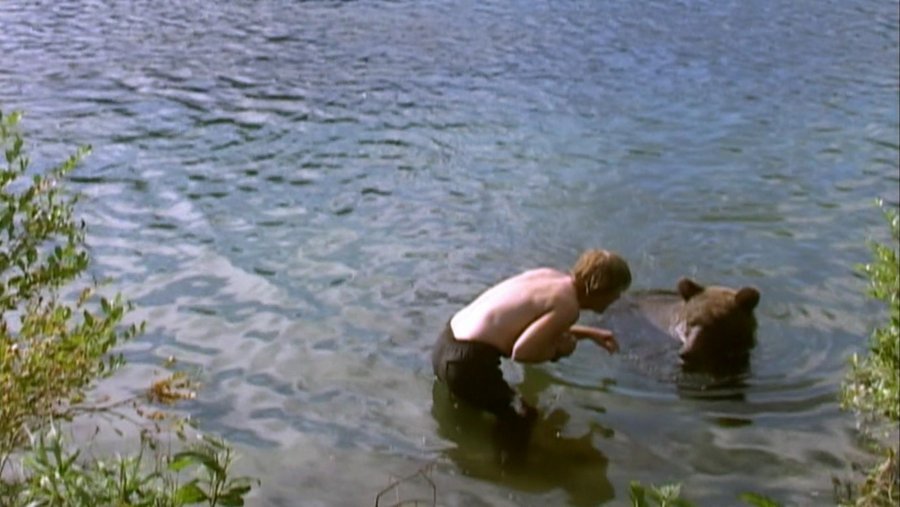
(548,284)
(547,273)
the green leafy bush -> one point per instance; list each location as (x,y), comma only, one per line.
(51,349)
(873,385)
(872,388)
(56,476)
(56,342)
(669,495)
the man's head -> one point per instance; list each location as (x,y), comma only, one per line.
(600,277)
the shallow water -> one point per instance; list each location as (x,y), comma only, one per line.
(297,195)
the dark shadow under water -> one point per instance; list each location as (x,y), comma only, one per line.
(548,462)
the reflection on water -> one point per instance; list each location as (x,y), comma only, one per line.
(297,195)
(550,462)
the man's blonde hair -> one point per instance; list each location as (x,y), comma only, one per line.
(601,271)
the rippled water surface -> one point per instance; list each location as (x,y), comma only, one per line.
(297,195)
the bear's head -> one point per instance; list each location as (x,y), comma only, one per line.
(716,326)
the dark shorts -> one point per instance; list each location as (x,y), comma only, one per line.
(472,373)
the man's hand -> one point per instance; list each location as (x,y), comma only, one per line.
(602,337)
(605,339)
(565,346)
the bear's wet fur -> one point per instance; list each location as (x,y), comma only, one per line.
(714,325)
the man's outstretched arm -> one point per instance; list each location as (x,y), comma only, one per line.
(602,337)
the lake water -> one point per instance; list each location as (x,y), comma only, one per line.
(297,195)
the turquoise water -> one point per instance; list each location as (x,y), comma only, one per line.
(297,195)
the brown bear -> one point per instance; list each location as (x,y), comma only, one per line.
(715,326)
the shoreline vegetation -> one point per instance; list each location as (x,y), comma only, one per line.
(58,336)
(872,386)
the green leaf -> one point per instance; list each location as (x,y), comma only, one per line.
(182,461)
(190,493)
(758,500)
(196,457)
(231,500)
(638,494)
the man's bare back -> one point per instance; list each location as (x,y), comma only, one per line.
(530,317)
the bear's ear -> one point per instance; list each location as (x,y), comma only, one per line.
(747,298)
(689,288)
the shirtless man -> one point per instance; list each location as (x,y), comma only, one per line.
(529,318)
